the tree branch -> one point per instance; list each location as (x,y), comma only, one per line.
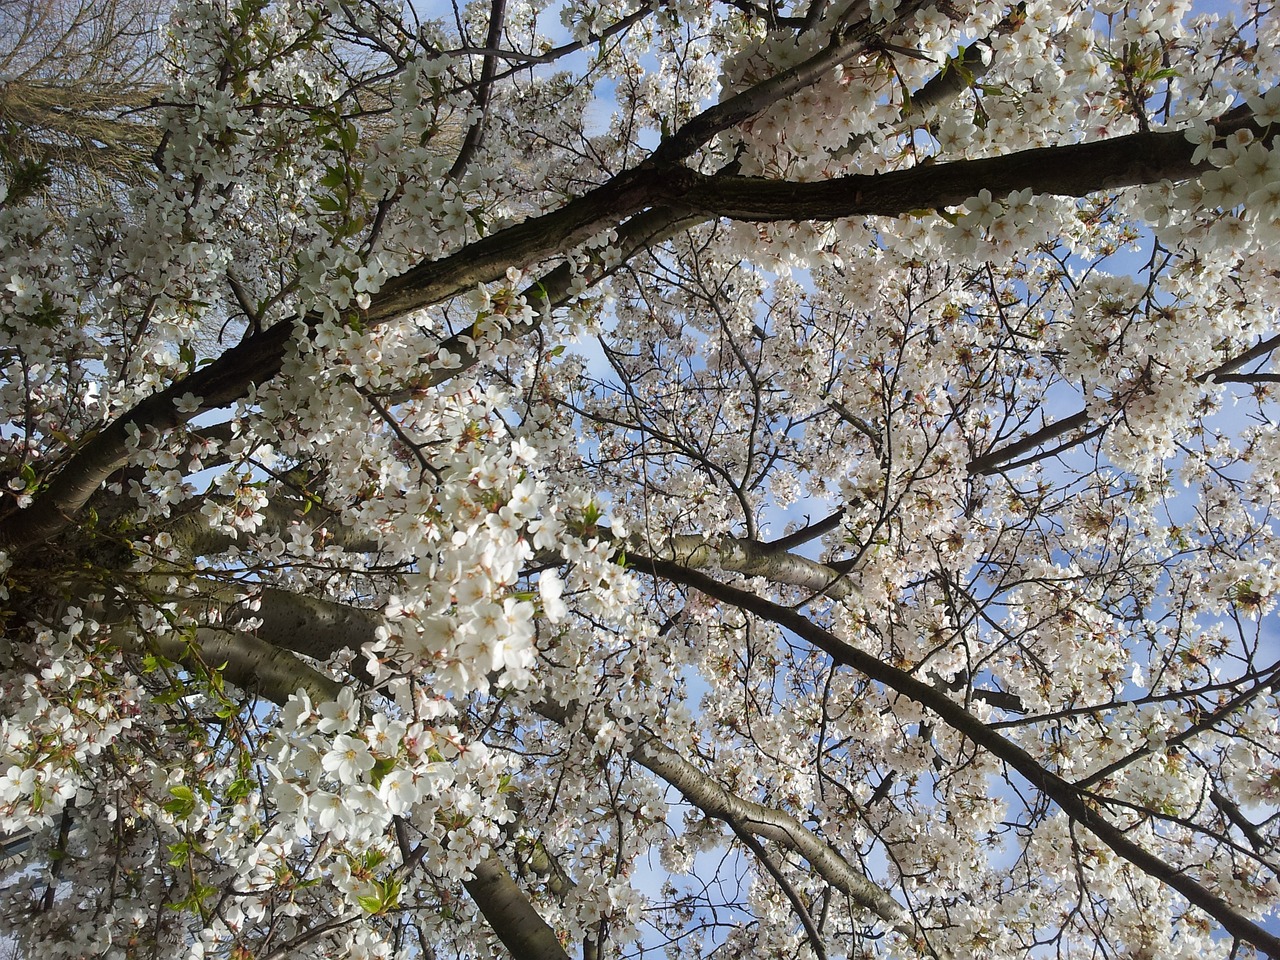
(750,558)
(801,911)
(471,142)
(275,673)
(510,914)
(253,665)
(743,106)
(524,61)
(677,196)
(193,536)
(812,531)
(993,461)
(1071,170)
(1067,797)
(715,801)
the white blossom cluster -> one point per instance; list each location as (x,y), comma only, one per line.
(55,724)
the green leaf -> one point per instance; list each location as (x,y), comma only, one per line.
(181,853)
(391,891)
(183,802)
(333,177)
(385,897)
(200,892)
(350,135)
(381,767)
(237,790)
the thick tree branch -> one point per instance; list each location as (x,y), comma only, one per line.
(1250,378)
(992,461)
(539,238)
(555,288)
(193,536)
(471,142)
(276,673)
(958,74)
(510,914)
(255,360)
(678,196)
(253,665)
(303,623)
(1072,170)
(317,628)
(741,107)
(750,558)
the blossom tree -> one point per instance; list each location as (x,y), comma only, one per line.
(704,476)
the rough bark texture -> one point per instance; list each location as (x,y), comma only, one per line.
(512,917)
(251,664)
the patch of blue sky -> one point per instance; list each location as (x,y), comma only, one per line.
(722,869)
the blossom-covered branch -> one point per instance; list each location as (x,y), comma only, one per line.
(1081,807)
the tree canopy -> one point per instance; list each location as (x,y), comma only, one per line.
(728,478)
